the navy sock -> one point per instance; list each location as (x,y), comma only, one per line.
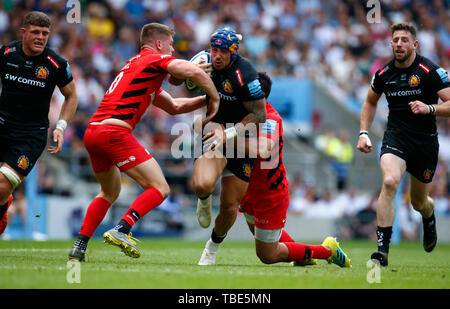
(123,227)
(216,238)
(384,238)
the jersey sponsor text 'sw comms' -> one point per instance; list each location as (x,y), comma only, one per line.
(28,84)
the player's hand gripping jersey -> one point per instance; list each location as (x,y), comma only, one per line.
(134,88)
(28,85)
(420,81)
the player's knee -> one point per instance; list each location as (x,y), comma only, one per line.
(391,184)
(164,189)
(419,202)
(111,197)
(229,209)
(202,188)
(9,180)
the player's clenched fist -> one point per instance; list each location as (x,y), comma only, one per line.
(418,107)
(364,143)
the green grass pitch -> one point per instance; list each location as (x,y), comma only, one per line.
(172,264)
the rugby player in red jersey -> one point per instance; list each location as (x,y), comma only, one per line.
(266,202)
(113,149)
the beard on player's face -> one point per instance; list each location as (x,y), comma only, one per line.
(402,55)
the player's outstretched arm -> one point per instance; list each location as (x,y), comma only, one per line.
(368,112)
(175,106)
(67,111)
(182,69)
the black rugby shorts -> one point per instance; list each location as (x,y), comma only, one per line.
(420,152)
(20,149)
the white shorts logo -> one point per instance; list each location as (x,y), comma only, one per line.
(130,159)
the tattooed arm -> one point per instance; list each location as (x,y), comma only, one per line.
(257,115)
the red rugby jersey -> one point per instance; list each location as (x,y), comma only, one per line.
(269,175)
(134,88)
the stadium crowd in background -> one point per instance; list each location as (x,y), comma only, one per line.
(330,42)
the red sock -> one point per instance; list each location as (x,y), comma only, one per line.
(94,216)
(320,252)
(145,202)
(285,237)
(297,251)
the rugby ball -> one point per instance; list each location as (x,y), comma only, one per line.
(202,57)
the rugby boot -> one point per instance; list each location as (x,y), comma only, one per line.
(126,242)
(338,256)
(429,233)
(304,262)
(204,212)
(209,254)
(78,254)
(380,257)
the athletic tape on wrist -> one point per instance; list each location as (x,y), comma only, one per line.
(230,133)
(61,124)
(363,133)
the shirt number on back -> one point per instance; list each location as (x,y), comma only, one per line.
(115,82)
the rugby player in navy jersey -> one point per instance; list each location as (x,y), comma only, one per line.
(412,85)
(242,105)
(29,72)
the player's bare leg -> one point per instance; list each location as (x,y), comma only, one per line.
(233,190)
(207,171)
(392,170)
(423,203)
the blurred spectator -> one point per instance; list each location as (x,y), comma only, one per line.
(172,208)
(362,224)
(440,198)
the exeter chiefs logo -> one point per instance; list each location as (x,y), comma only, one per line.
(414,81)
(227,87)
(42,72)
(427,174)
(23,162)
(247,169)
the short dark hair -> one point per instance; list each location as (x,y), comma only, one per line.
(404,26)
(266,83)
(150,31)
(36,18)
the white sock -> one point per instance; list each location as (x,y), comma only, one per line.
(212,246)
